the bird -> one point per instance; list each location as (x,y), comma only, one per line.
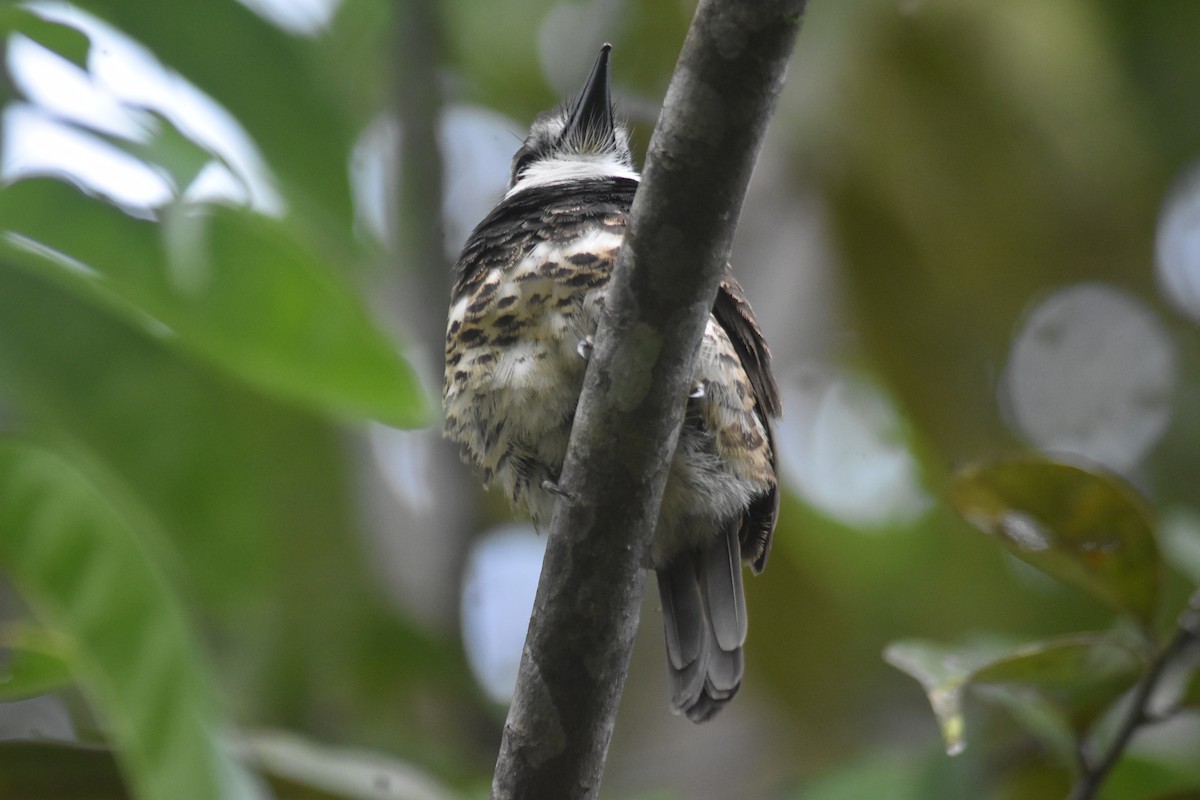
(527,295)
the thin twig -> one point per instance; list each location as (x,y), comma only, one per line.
(1187,632)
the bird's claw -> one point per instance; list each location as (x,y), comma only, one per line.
(556,490)
(584,348)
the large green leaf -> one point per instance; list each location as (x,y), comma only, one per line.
(254,497)
(270,82)
(86,567)
(944,671)
(1084,528)
(1056,685)
(231,286)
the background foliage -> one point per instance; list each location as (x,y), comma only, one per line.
(225,562)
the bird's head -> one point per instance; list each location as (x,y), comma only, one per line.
(575,142)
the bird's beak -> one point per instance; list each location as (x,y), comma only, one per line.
(592,119)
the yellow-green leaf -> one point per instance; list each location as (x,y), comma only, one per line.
(944,671)
(233,287)
(37,662)
(1084,528)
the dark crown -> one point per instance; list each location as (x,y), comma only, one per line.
(584,131)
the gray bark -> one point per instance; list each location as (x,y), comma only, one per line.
(576,655)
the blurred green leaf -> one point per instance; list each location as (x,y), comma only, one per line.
(944,673)
(254,495)
(948,120)
(1191,693)
(1156,773)
(64,40)
(1080,676)
(884,775)
(231,286)
(1084,528)
(339,772)
(168,148)
(87,570)
(1074,678)
(1036,717)
(499,53)
(37,662)
(270,82)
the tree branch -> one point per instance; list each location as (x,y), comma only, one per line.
(701,154)
(1186,634)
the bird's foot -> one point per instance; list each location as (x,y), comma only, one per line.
(556,490)
(584,348)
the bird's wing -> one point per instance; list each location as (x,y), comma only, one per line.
(734,314)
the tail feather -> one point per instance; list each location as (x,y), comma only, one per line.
(722,589)
(687,683)
(704,616)
(683,614)
(724,673)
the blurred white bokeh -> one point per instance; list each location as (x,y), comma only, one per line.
(499,585)
(1177,245)
(477,148)
(477,145)
(841,448)
(1091,374)
(1179,538)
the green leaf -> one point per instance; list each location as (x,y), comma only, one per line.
(168,148)
(944,672)
(268,80)
(1158,771)
(1080,676)
(1061,684)
(38,662)
(88,571)
(255,497)
(231,286)
(1083,528)
(64,40)
(894,776)
(1191,692)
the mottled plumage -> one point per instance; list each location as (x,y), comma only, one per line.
(528,292)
